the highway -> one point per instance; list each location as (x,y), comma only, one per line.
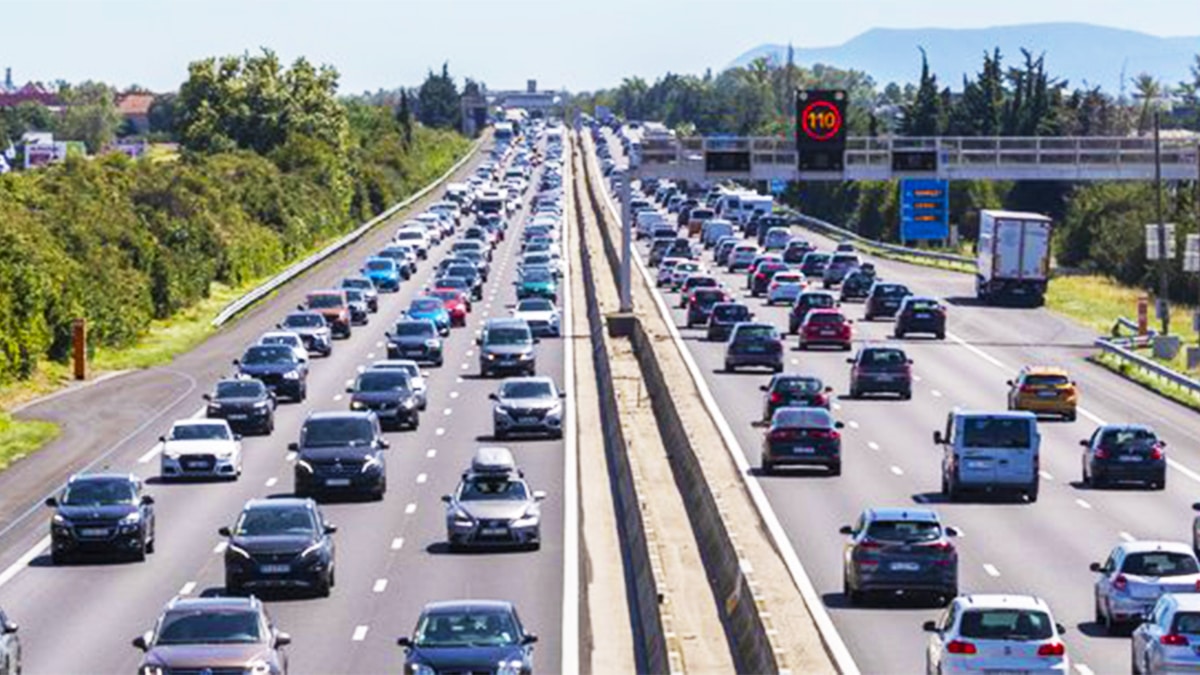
(890,460)
(391,558)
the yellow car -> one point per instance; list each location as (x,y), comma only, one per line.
(1044,390)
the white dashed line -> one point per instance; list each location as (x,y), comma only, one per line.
(795,362)
(853,424)
(360,634)
(1083,670)
(470,353)
(873,445)
(1045,475)
(1082,504)
(837,406)
(936,393)
(350,382)
(379,344)
(459,380)
(447,411)
(916,378)
(1126,536)
(397,543)
(272,481)
(431,453)
(371,355)
(991,570)
(187,588)
(454,394)
(410,509)
(897,470)
(439,432)
(380,584)
(421,478)
(220,548)
(465,366)
(337,397)
(291,456)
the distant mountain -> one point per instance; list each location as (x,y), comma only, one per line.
(1080,53)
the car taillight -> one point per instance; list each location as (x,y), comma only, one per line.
(1173,640)
(782,434)
(760,275)
(1052,649)
(1027,389)
(830,434)
(1156,452)
(1120,583)
(960,647)
(821,400)
(1101,453)
(776,397)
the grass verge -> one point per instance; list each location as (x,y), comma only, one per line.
(19,438)
(1148,380)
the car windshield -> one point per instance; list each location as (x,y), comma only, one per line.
(381,265)
(482,628)
(883,358)
(324,301)
(526,390)
(535,305)
(355,295)
(487,488)
(1160,564)
(508,336)
(425,305)
(1046,380)
(1006,624)
(273,520)
(279,340)
(269,355)
(200,432)
(904,530)
(922,305)
(732,313)
(997,432)
(813,258)
(757,332)
(799,385)
(109,492)
(304,321)
(209,626)
(414,329)
(248,389)
(536,275)
(338,431)
(382,380)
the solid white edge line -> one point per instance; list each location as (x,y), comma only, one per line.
(834,644)
(23,562)
(991,570)
(570,589)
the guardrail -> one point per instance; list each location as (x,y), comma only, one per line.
(830,228)
(1151,366)
(237,306)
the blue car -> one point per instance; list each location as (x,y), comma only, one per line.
(432,309)
(469,636)
(384,272)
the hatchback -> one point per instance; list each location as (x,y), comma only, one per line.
(754,344)
(1167,641)
(694,283)
(723,317)
(792,390)
(1044,390)
(825,327)
(814,263)
(806,301)
(899,550)
(1124,452)
(857,285)
(469,636)
(700,304)
(885,370)
(920,314)
(996,633)
(884,299)
(762,275)
(802,437)
(1136,574)
(837,269)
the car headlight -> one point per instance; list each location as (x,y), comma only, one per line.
(59,520)
(292,375)
(260,667)
(214,405)
(304,465)
(410,402)
(508,668)
(527,519)
(310,550)
(555,411)
(500,409)
(372,461)
(422,669)
(132,519)
(432,343)
(491,357)
(262,405)
(238,550)
(151,670)
(357,405)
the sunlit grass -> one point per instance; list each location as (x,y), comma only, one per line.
(20,438)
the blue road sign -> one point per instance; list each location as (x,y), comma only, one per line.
(778,186)
(924,209)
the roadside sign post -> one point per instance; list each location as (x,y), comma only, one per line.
(1191,263)
(79,348)
(1160,247)
(1143,315)
(821,130)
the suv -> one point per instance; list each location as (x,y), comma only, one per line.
(837,269)
(468,636)
(506,345)
(527,405)
(388,394)
(899,549)
(802,437)
(245,403)
(919,314)
(884,299)
(493,505)
(996,633)
(701,302)
(278,367)
(1044,390)
(993,451)
(340,452)
(416,339)
(880,370)
(313,330)
(101,513)
(10,646)
(814,263)
(1124,452)
(369,291)
(754,344)
(214,635)
(1136,574)
(334,306)
(278,544)
(857,285)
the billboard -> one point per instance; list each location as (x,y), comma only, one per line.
(924,209)
(41,154)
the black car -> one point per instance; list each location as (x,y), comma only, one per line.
(723,317)
(471,274)
(658,249)
(884,299)
(760,277)
(794,252)
(790,390)
(279,544)
(1124,453)
(857,285)
(904,550)
(754,344)
(724,248)
(415,339)
(506,346)
(278,367)
(468,636)
(313,330)
(370,292)
(360,309)
(101,513)
(762,225)
(340,452)
(880,370)
(388,394)
(803,437)
(245,403)
(701,303)
(814,263)
(808,300)
(918,314)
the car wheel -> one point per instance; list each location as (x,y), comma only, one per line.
(270,426)
(439,362)
(951,489)
(907,395)
(1108,624)
(303,394)
(941,335)
(1069,417)
(1161,483)
(899,335)
(499,434)
(729,368)
(768,467)
(139,554)
(1097,615)
(58,558)
(835,469)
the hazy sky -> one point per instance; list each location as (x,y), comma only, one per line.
(577,44)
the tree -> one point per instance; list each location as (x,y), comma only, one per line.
(921,117)
(162,114)
(438,101)
(404,117)
(24,117)
(90,114)
(1148,90)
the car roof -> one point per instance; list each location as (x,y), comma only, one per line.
(338,414)
(278,333)
(200,421)
(102,475)
(533,378)
(904,514)
(214,602)
(1002,601)
(466,606)
(1187,602)
(1153,545)
(280,502)
(506,322)
(1012,414)
(1044,370)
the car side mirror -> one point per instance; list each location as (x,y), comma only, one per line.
(382,443)
(237,362)
(1062,629)
(147,500)
(539,495)
(330,528)
(910,362)
(446,499)
(1008,382)
(350,390)
(929,627)
(404,642)
(562,394)
(162,439)
(846,529)
(529,639)
(839,425)
(224,531)
(279,326)
(849,360)
(828,390)
(937,438)
(952,532)
(300,307)
(51,502)
(387,334)
(478,341)
(237,437)
(1084,443)
(10,627)
(293,446)
(140,643)
(282,639)
(493,397)
(206,397)
(1096,567)
(763,387)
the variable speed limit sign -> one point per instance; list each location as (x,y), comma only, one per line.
(821,129)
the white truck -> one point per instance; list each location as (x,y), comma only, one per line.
(1013,260)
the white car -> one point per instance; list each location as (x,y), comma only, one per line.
(682,271)
(434,225)
(541,315)
(198,448)
(1136,574)
(416,377)
(742,256)
(415,237)
(996,633)
(785,293)
(1166,642)
(665,268)
(286,337)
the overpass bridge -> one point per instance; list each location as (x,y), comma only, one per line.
(1070,158)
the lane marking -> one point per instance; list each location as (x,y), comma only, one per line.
(439,432)
(421,478)
(337,397)
(1125,536)
(380,584)
(936,393)
(431,453)
(459,380)
(187,588)
(371,355)
(272,481)
(1082,504)
(23,562)
(362,369)
(1045,475)
(447,411)
(454,394)
(897,470)
(872,445)
(465,366)
(837,406)
(220,548)
(410,509)
(991,570)
(1083,670)
(145,459)
(853,424)
(470,353)
(379,344)
(350,382)
(360,633)
(916,378)
(397,543)
(291,455)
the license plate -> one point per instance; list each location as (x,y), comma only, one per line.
(884,377)
(803,450)
(921,316)
(904,567)
(275,569)
(493,531)
(238,416)
(528,420)
(755,349)
(1047,394)
(94,532)
(828,331)
(196,465)
(1129,458)
(978,464)
(337,482)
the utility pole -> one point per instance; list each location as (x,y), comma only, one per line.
(1163,260)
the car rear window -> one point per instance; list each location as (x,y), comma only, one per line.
(845,258)
(1187,622)
(1046,380)
(997,432)
(758,332)
(425,305)
(1160,564)
(922,305)
(817,300)
(378,265)
(891,290)
(414,328)
(884,357)
(799,385)
(904,530)
(803,418)
(824,317)
(731,313)
(1006,624)
(325,300)
(1128,438)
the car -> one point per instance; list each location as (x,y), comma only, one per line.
(814,263)
(540,260)
(388,394)
(340,453)
(467,271)
(10,646)
(1135,575)
(793,253)
(468,636)
(724,249)
(456,303)
(802,436)
(431,308)
(884,299)
(287,338)
(989,451)
(837,269)
(857,285)
(368,288)
(793,390)
(243,402)
(658,250)
(693,283)
(527,405)
(880,369)
(384,272)
(313,330)
(416,377)
(479,260)
(785,276)
(754,344)
(417,339)
(920,314)
(405,258)
(541,315)
(334,306)
(451,283)
(218,634)
(996,633)
(277,544)
(681,271)
(741,257)
(1124,453)
(784,292)
(360,310)
(905,550)
(414,236)
(701,302)
(493,506)
(1044,390)
(101,513)
(759,278)
(828,327)
(278,367)
(537,282)
(723,317)
(806,301)
(776,238)
(200,448)
(1166,641)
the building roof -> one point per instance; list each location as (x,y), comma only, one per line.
(135,104)
(32,91)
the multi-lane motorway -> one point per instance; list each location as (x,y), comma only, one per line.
(391,555)
(889,460)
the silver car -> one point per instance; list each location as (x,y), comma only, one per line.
(1137,574)
(416,377)
(527,405)
(1169,640)
(10,646)
(493,506)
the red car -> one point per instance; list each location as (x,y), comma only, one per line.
(825,327)
(456,302)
